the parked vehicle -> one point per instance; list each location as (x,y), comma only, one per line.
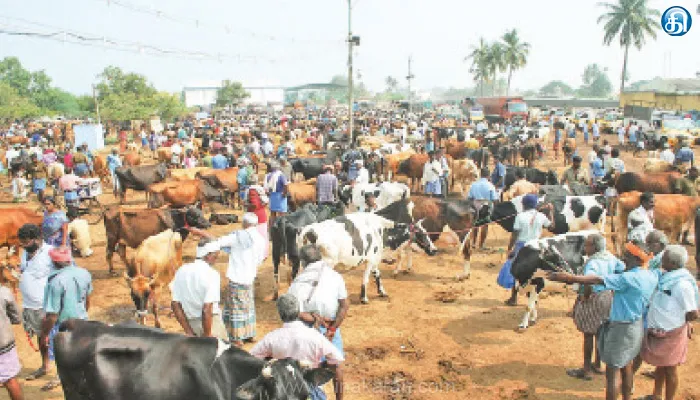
(500,109)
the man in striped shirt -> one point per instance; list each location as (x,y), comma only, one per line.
(327,186)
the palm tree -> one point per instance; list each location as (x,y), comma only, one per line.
(479,58)
(495,62)
(515,53)
(391,84)
(631,20)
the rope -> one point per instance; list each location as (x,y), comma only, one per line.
(31,344)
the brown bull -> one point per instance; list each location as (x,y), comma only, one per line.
(182,193)
(131,159)
(187,173)
(674,214)
(164,155)
(100,168)
(11,219)
(223,179)
(129,227)
(659,182)
(301,193)
(393,161)
(413,168)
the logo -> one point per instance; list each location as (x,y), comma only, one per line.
(676,21)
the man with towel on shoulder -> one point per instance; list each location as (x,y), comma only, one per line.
(620,338)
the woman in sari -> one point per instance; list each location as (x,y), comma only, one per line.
(276,186)
(256,202)
(54,229)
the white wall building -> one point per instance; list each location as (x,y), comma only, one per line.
(203,94)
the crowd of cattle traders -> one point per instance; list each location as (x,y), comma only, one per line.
(327,198)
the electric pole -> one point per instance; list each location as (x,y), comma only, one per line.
(97,104)
(350,43)
(410,77)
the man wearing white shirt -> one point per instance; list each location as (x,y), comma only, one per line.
(196,294)
(246,248)
(432,170)
(362,173)
(667,155)
(640,221)
(176,151)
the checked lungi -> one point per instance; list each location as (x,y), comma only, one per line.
(590,313)
(239,311)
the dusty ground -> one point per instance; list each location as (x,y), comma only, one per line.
(412,345)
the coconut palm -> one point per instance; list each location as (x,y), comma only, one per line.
(495,62)
(479,68)
(515,53)
(632,21)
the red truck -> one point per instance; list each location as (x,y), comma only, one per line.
(499,109)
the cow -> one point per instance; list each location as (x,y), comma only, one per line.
(358,238)
(99,166)
(100,361)
(9,271)
(301,193)
(659,182)
(529,154)
(129,227)
(284,231)
(11,219)
(656,165)
(223,219)
(222,179)
(310,167)
(413,168)
(569,148)
(391,163)
(548,254)
(131,159)
(151,267)
(139,177)
(479,156)
(183,193)
(464,172)
(164,155)
(571,189)
(673,213)
(385,193)
(533,175)
(456,149)
(187,173)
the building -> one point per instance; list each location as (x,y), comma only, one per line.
(204,94)
(666,94)
(317,93)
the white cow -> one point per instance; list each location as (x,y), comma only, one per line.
(386,193)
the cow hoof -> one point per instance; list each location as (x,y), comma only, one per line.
(463,277)
(364,301)
(533,323)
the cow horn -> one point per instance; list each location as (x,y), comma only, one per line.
(267,372)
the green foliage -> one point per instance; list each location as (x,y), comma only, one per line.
(515,53)
(13,105)
(169,106)
(488,59)
(14,75)
(631,21)
(556,88)
(595,82)
(231,93)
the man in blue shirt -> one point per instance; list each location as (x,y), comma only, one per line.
(685,156)
(620,338)
(498,177)
(483,194)
(219,161)
(596,131)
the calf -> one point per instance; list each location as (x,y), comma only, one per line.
(359,238)
(151,267)
(98,361)
(562,252)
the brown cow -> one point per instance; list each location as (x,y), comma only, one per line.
(11,219)
(129,227)
(456,149)
(9,271)
(131,159)
(393,161)
(101,170)
(413,168)
(151,267)
(165,155)
(658,182)
(187,173)
(464,172)
(301,193)
(656,165)
(184,193)
(17,140)
(223,179)
(674,214)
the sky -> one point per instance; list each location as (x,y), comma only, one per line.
(288,42)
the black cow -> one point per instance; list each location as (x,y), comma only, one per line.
(479,156)
(285,229)
(549,254)
(572,189)
(533,175)
(97,361)
(139,177)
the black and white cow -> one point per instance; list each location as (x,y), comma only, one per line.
(549,254)
(385,194)
(359,238)
(97,361)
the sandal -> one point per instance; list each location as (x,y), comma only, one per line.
(597,371)
(579,374)
(36,374)
(53,384)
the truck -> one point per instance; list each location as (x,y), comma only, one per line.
(500,109)
(472,110)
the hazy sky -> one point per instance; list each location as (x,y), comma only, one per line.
(288,42)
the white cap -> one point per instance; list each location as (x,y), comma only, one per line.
(208,248)
(250,218)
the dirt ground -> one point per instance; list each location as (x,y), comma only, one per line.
(432,338)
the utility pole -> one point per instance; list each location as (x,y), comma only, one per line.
(97,104)
(410,77)
(350,88)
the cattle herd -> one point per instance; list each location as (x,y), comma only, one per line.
(149,238)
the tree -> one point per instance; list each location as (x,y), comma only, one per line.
(495,62)
(632,21)
(479,67)
(169,106)
(115,82)
(595,82)
(515,53)
(391,84)
(230,93)
(13,105)
(556,88)
(13,74)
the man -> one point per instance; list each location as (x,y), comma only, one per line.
(69,183)
(327,186)
(296,340)
(498,176)
(277,187)
(246,249)
(286,169)
(621,135)
(521,186)
(527,226)
(444,177)
(483,195)
(431,175)
(640,221)
(614,164)
(656,243)
(39,173)
(196,294)
(219,161)
(575,174)
(673,306)
(176,153)
(324,300)
(481,127)
(694,178)
(10,366)
(620,338)
(267,147)
(67,296)
(667,154)
(10,155)
(362,173)
(685,157)
(593,303)
(80,162)
(79,232)
(557,141)
(35,266)
(114,162)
